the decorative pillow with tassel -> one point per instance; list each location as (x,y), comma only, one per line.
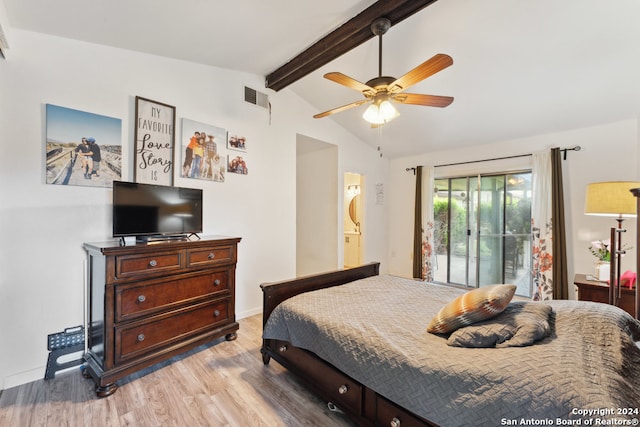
(476,305)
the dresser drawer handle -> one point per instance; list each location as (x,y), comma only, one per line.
(282,348)
(216,282)
(395,422)
(216,313)
(140,337)
(153,263)
(141,298)
(343,389)
(211,255)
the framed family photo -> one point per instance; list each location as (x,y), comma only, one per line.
(202,147)
(237,164)
(154,142)
(237,142)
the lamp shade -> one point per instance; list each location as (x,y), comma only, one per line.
(612,198)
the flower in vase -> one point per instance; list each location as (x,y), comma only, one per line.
(600,249)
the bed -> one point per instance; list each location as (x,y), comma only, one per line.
(359,340)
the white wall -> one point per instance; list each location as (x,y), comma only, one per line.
(316,204)
(609,153)
(43,226)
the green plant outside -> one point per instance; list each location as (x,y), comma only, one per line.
(518,218)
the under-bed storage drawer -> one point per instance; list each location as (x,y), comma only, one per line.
(389,414)
(331,383)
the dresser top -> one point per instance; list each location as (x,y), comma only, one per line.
(115,246)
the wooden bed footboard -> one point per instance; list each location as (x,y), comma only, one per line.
(341,392)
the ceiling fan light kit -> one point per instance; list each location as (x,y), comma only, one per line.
(380,113)
(382,91)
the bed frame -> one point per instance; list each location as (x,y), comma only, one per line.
(342,393)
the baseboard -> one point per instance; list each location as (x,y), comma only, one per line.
(248,313)
(23,378)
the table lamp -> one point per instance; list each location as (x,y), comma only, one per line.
(613,199)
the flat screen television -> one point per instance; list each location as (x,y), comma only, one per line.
(147,210)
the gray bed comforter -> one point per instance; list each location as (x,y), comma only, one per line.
(374,330)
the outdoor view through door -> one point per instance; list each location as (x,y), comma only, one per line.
(483,230)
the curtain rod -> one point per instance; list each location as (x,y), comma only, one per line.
(564,152)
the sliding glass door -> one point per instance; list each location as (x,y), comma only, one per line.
(483,230)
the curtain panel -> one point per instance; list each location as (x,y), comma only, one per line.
(541,228)
(423,255)
(560,276)
(549,263)
(417,227)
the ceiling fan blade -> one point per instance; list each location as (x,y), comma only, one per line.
(428,68)
(340,109)
(426,100)
(348,82)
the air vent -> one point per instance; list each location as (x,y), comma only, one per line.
(254,97)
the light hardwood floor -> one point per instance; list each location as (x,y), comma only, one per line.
(222,384)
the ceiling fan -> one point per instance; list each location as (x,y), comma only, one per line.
(381,91)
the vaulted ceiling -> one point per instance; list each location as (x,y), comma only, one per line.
(521,68)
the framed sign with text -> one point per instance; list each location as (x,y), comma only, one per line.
(154,140)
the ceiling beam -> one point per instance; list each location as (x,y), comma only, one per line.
(349,35)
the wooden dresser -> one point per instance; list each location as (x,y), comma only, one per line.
(591,290)
(151,301)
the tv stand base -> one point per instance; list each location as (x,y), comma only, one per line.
(162,238)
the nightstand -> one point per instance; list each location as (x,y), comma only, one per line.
(593,290)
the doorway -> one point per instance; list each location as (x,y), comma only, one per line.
(353,217)
(317,193)
(483,230)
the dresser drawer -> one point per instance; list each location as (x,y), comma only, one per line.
(137,338)
(333,384)
(135,300)
(140,265)
(204,257)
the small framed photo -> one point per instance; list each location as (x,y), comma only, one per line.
(237,142)
(154,142)
(237,164)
